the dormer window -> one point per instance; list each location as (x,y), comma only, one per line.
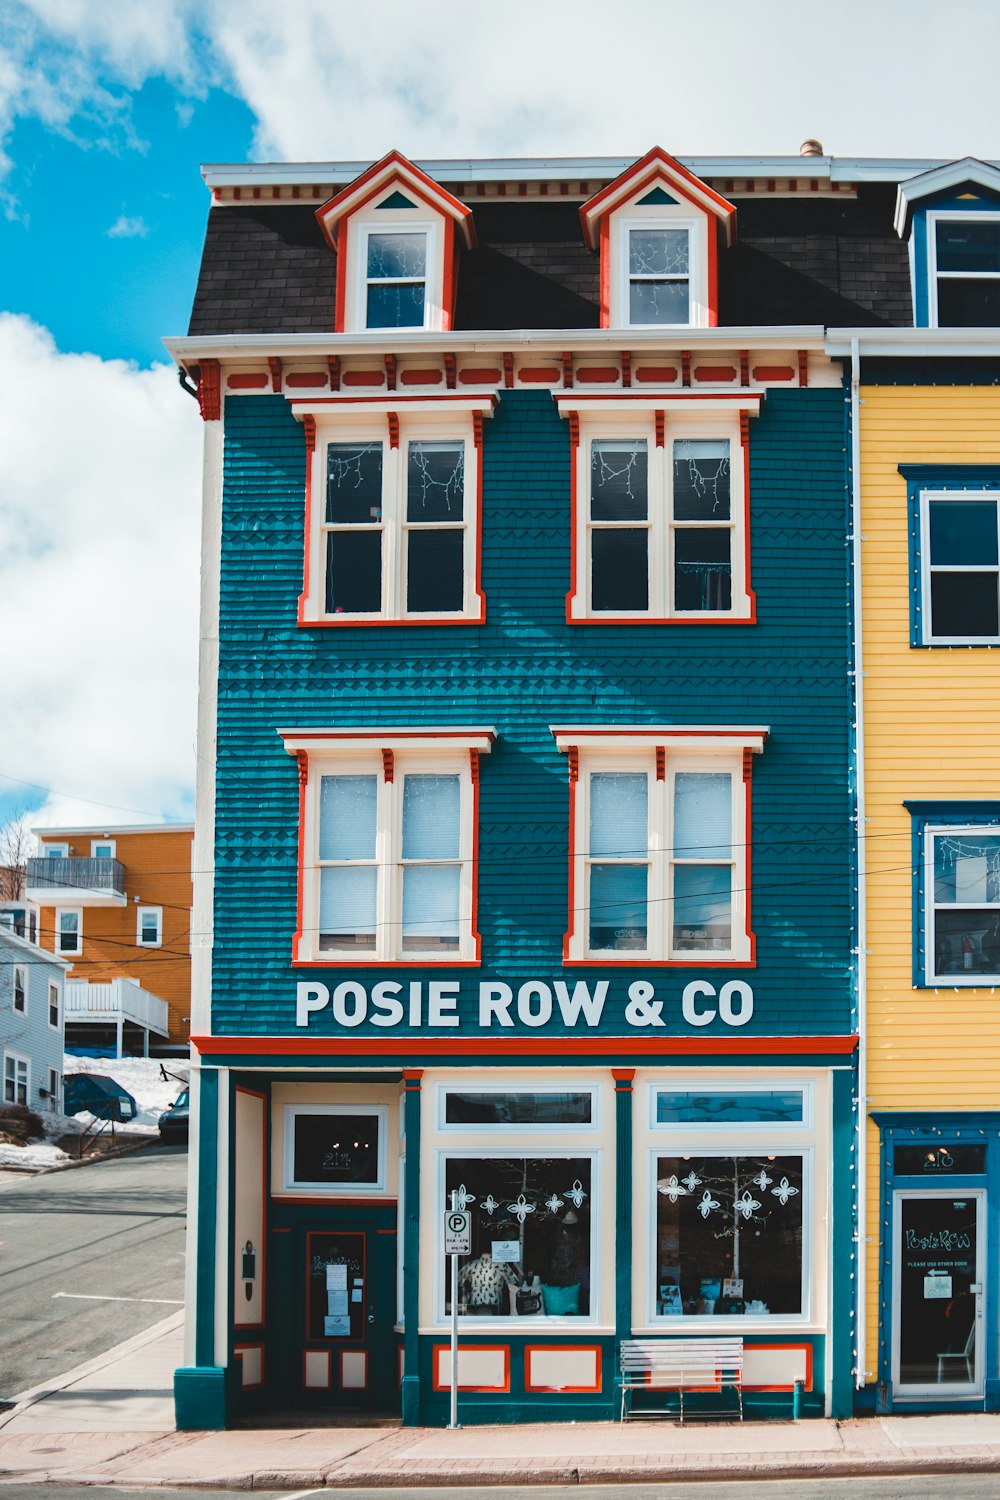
(396,278)
(657,228)
(950,216)
(394,233)
(659,276)
(966,251)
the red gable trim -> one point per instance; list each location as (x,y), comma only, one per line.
(639,176)
(393,167)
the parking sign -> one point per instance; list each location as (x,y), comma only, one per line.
(457,1232)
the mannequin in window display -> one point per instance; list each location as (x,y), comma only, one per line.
(483,1284)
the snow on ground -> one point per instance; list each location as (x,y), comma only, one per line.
(140,1076)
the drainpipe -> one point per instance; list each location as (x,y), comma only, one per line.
(861,1127)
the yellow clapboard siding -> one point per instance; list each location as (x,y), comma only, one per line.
(932,731)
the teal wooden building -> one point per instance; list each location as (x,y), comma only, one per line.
(524,854)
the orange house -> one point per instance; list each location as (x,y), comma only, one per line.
(116,902)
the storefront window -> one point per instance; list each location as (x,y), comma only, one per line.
(730,1106)
(467,1108)
(729,1236)
(335,1147)
(531,1236)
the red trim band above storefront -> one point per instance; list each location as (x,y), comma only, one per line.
(524,1046)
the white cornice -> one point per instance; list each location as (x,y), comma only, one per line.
(914,342)
(939,179)
(236,346)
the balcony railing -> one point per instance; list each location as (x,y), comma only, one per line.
(87,878)
(118,999)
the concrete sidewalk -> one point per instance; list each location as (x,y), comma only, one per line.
(110,1422)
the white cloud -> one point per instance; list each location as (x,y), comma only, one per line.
(99,546)
(126,228)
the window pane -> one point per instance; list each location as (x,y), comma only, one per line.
(353,572)
(701,480)
(530,1236)
(430,906)
(702,907)
(963,532)
(964,604)
(397,255)
(658,252)
(435,481)
(658,302)
(618,813)
(331,1149)
(703,815)
(354,482)
(620,570)
(618,909)
(702,569)
(938,1157)
(735,1219)
(967,941)
(730,1107)
(968,304)
(347,907)
(967,868)
(968,245)
(618,481)
(435,575)
(347,817)
(517,1109)
(396,304)
(431,817)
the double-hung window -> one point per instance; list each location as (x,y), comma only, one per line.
(16,1078)
(964,269)
(955,554)
(149,926)
(20,991)
(661,522)
(962,905)
(395,278)
(394,522)
(55,1006)
(660,846)
(387,868)
(69,930)
(659,275)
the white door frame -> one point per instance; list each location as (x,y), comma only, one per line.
(953,1389)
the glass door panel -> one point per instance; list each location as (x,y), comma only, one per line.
(938,1304)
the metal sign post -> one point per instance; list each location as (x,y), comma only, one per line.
(457,1241)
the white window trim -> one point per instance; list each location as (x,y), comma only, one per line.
(374,220)
(96,844)
(679,426)
(731,1127)
(533,1323)
(20,1060)
(691,749)
(536,1086)
(364,752)
(759,1143)
(19,969)
(659,216)
(395,221)
(57,1025)
(291,1183)
(142,911)
(946,216)
(54,1077)
(926,628)
(426,421)
(932,831)
(66,911)
(55,851)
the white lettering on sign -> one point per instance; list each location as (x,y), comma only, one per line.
(536,1003)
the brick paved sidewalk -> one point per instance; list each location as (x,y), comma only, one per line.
(110,1421)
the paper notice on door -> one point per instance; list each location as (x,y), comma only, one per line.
(336,1303)
(358,1281)
(336,1328)
(336,1278)
(356,1294)
(937,1286)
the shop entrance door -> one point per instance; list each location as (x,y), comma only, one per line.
(938,1301)
(337,1347)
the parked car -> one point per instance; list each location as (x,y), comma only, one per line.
(98,1095)
(174,1119)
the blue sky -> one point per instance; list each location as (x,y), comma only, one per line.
(107,110)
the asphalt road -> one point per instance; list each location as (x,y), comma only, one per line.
(88,1257)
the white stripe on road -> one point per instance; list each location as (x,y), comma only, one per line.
(302,1494)
(83,1297)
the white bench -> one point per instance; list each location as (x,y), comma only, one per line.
(680,1364)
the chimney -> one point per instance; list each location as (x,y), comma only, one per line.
(811,148)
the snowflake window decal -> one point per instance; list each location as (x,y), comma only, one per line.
(762,1180)
(691,1181)
(672,1189)
(784,1191)
(520,1208)
(707,1204)
(489,1205)
(576,1194)
(463,1197)
(747,1205)
(554,1204)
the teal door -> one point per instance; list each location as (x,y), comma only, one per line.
(335,1308)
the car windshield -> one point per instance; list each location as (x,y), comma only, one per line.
(181,1102)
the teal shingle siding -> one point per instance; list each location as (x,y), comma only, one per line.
(524,670)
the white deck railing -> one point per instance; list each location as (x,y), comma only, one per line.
(119,999)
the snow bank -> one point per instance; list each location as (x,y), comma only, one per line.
(140,1076)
